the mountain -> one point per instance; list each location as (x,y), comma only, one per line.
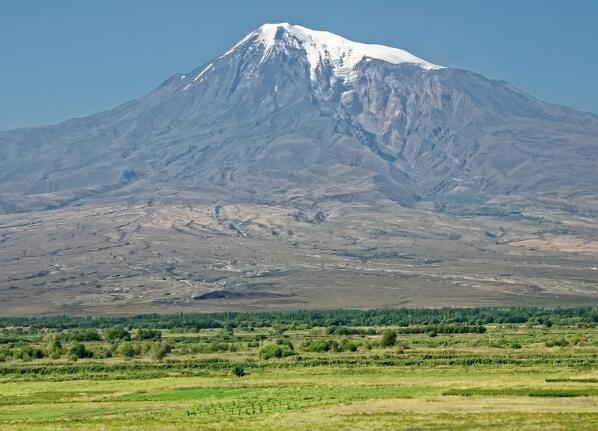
(302,170)
(294,116)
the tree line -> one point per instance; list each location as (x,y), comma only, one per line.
(580,316)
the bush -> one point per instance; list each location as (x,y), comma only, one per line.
(561,342)
(285,342)
(389,338)
(54,346)
(227,332)
(149,334)
(319,345)
(5,353)
(344,330)
(103,353)
(275,351)
(326,345)
(30,352)
(443,329)
(238,371)
(580,340)
(348,345)
(117,333)
(78,350)
(279,329)
(161,351)
(128,350)
(84,335)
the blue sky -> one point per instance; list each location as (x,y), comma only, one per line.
(68,58)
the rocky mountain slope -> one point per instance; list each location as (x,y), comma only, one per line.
(292,116)
(302,170)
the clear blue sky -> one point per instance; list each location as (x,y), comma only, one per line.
(66,58)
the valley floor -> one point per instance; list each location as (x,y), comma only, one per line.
(319,398)
(176,257)
(451,376)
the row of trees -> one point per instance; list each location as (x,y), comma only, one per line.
(56,349)
(115,333)
(283,347)
(400,317)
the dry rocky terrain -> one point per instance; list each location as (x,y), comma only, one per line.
(169,255)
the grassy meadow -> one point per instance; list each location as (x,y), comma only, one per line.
(379,370)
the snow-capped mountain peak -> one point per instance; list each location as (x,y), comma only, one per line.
(253,126)
(322,47)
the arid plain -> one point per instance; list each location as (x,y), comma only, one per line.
(170,255)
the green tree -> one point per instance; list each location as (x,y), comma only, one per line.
(128,350)
(275,351)
(118,333)
(238,371)
(161,351)
(29,352)
(149,334)
(389,338)
(84,335)
(54,346)
(227,332)
(78,350)
(319,345)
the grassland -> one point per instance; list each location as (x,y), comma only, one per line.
(283,372)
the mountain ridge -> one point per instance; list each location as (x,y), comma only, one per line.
(267,117)
(260,187)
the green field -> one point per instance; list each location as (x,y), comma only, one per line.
(380,370)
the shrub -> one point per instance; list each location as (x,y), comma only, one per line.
(344,330)
(30,352)
(580,340)
(227,332)
(103,353)
(5,353)
(84,335)
(389,338)
(149,334)
(319,345)
(561,342)
(118,333)
(161,351)
(128,350)
(54,346)
(279,329)
(78,350)
(275,351)
(238,371)
(285,342)
(348,345)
